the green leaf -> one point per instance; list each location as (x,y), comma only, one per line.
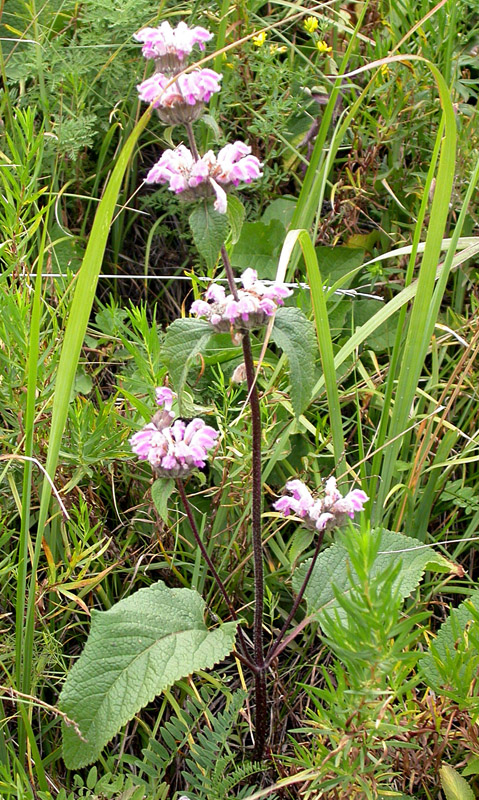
(160,493)
(210,229)
(236,214)
(258,247)
(135,650)
(455,787)
(453,656)
(184,339)
(338,261)
(294,334)
(281,209)
(331,568)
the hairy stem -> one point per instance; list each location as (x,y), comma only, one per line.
(274,648)
(192,141)
(211,566)
(260,681)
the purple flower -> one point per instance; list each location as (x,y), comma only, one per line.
(169,46)
(256,303)
(181,100)
(207,176)
(325,513)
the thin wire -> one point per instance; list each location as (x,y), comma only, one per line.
(346,292)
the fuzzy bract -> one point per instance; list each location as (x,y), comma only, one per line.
(180,100)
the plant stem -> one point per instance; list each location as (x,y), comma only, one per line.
(299,597)
(260,680)
(204,553)
(192,141)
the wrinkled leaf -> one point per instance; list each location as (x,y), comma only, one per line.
(135,650)
(295,335)
(331,569)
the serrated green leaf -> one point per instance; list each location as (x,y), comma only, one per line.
(184,339)
(294,334)
(330,569)
(160,493)
(134,651)
(210,229)
(453,785)
(236,214)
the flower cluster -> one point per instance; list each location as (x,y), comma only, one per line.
(256,302)
(168,46)
(173,447)
(202,178)
(323,514)
(181,100)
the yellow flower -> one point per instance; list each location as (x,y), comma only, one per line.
(310,24)
(385,71)
(260,39)
(323,46)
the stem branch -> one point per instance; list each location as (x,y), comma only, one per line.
(273,649)
(209,562)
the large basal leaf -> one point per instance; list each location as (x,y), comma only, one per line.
(210,229)
(184,339)
(333,567)
(294,334)
(134,651)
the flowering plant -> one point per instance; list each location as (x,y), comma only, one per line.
(173,626)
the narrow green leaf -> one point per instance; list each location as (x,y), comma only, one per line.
(160,493)
(453,653)
(134,651)
(184,339)
(330,569)
(210,229)
(294,334)
(236,214)
(455,787)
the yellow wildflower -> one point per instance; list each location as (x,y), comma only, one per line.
(260,39)
(311,24)
(276,48)
(323,46)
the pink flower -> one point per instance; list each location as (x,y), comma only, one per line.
(256,303)
(173,447)
(175,43)
(207,176)
(325,513)
(181,100)
(174,451)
